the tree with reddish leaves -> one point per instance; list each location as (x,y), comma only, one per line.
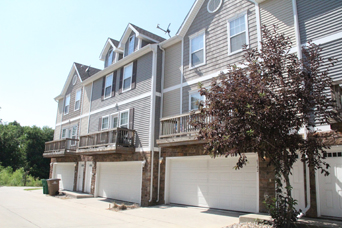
(264,106)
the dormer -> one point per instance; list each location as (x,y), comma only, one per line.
(134,38)
(110,52)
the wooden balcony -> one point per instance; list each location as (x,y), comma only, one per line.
(59,148)
(117,140)
(176,130)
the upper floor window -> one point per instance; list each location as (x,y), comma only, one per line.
(127,77)
(108,86)
(124,119)
(109,57)
(195,99)
(197,49)
(66,104)
(130,48)
(105,123)
(74,135)
(77,99)
(64,133)
(237,34)
(115,121)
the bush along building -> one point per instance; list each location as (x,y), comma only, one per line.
(123,132)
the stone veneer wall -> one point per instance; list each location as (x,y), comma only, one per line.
(137,156)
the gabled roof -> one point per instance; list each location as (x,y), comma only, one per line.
(83,71)
(109,43)
(140,33)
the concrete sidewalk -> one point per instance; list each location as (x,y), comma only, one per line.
(19,208)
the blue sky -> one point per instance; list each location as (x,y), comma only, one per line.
(39,41)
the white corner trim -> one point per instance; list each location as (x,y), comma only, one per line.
(296,25)
(258,24)
(172,88)
(181,82)
(158,94)
(77,74)
(153,97)
(327,39)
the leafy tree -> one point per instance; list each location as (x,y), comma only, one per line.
(262,106)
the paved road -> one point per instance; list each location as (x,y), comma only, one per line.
(19,208)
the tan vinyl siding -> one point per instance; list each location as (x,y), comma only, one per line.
(171,103)
(318,19)
(143,85)
(216,34)
(141,119)
(84,126)
(72,91)
(60,107)
(172,75)
(280,13)
(86,99)
(57,133)
(69,126)
(333,50)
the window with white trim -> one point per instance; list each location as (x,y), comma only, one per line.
(197,49)
(124,119)
(73,135)
(127,77)
(108,86)
(115,121)
(105,123)
(195,99)
(130,48)
(109,57)
(64,133)
(67,104)
(237,33)
(77,99)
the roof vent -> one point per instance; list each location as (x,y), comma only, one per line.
(214,5)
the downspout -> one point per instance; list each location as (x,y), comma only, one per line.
(258,24)
(296,25)
(161,114)
(182,75)
(153,111)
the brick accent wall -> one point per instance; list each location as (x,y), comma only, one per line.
(266,183)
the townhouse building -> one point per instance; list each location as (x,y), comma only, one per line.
(131,140)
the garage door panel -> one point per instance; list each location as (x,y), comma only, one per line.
(212,183)
(120,180)
(66,173)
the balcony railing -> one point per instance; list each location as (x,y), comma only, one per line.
(60,147)
(117,137)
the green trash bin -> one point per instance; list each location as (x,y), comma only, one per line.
(45,186)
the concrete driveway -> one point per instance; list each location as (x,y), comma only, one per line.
(19,208)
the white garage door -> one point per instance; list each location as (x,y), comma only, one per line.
(65,172)
(207,182)
(119,180)
(330,187)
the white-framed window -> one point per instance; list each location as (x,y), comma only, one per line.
(194,99)
(108,86)
(77,99)
(64,133)
(237,33)
(130,48)
(127,77)
(115,121)
(197,49)
(105,123)
(74,135)
(124,119)
(67,104)
(109,57)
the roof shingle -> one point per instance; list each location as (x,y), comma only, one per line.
(86,71)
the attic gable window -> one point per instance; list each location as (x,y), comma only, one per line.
(77,99)
(67,104)
(197,49)
(130,48)
(108,86)
(237,33)
(109,57)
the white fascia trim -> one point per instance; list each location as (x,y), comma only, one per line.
(169,42)
(107,107)
(142,36)
(172,88)
(122,62)
(78,73)
(67,82)
(190,17)
(106,48)
(126,35)
(153,97)
(145,149)
(327,39)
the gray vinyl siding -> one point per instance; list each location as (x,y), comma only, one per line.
(318,19)
(157,120)
(280,13)
(171,103)
(191,88)
(86,99)
(141,119)
(57,133)
(72,91)
(84,126)
(143,85)
(333,49)
(159,69)
(60,107)
(172,68)
(216,37)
